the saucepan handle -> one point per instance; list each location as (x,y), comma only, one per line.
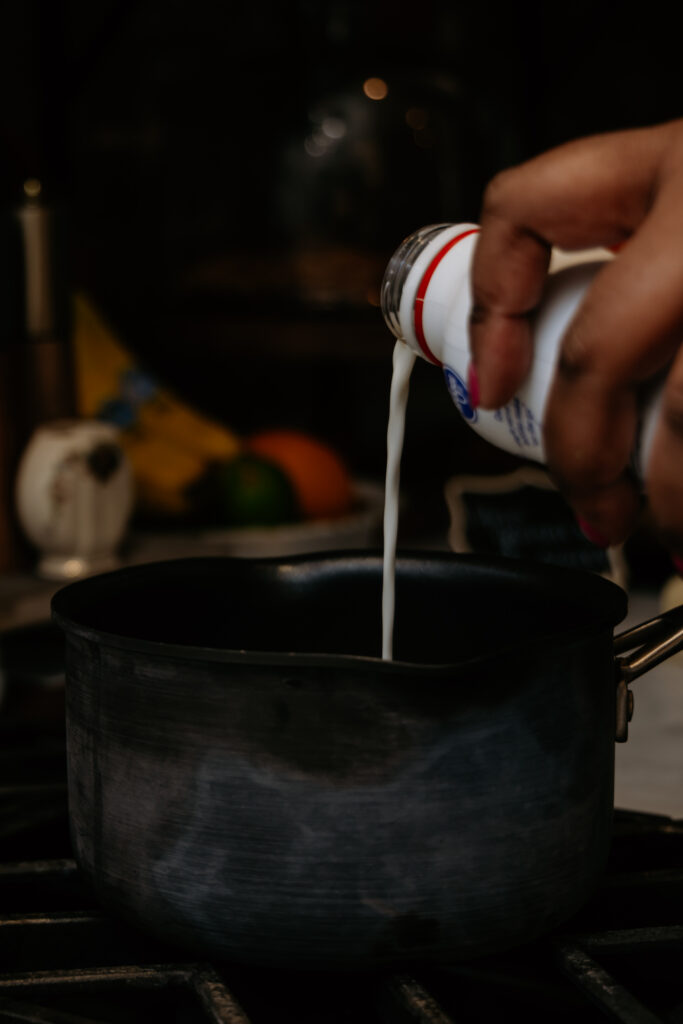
(639,649)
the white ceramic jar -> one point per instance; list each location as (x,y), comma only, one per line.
(74,497)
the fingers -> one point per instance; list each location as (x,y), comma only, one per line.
(627,329)
(589,451)
(665,468)
(598,191)
(509,273)
(576,196)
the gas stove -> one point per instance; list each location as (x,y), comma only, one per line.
(64,960)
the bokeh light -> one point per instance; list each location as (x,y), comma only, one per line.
(375,88)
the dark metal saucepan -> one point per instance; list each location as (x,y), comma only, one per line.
(248,779)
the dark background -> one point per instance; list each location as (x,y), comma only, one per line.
(236,247)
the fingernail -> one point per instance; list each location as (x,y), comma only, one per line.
(678,563)
(473,386)
(593,535)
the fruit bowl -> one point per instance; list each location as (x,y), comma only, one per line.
(360,528)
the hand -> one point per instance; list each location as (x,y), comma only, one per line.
(599,191)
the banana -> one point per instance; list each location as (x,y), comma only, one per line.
(165,416)
(164,475)
(170,444)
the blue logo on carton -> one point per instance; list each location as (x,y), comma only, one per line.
(460,395)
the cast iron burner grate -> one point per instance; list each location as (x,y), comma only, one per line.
(64,961)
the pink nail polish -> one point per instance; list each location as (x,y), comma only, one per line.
(473,386)
(593,535)
(678,563)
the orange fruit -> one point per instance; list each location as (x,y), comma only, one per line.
(320,478)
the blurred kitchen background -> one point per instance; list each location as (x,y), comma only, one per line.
(228,181)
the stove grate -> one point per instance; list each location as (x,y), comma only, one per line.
(201,980)
(577,957)
(597,969)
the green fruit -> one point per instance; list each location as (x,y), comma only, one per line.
(252,491)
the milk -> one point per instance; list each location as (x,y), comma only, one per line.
(403,362)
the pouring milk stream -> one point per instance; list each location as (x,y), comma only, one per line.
(404,359)
(426,302)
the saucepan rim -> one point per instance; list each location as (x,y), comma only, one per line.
(603,603)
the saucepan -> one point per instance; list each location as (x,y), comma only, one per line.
(250,780)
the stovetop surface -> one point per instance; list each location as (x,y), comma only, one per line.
(63,960)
